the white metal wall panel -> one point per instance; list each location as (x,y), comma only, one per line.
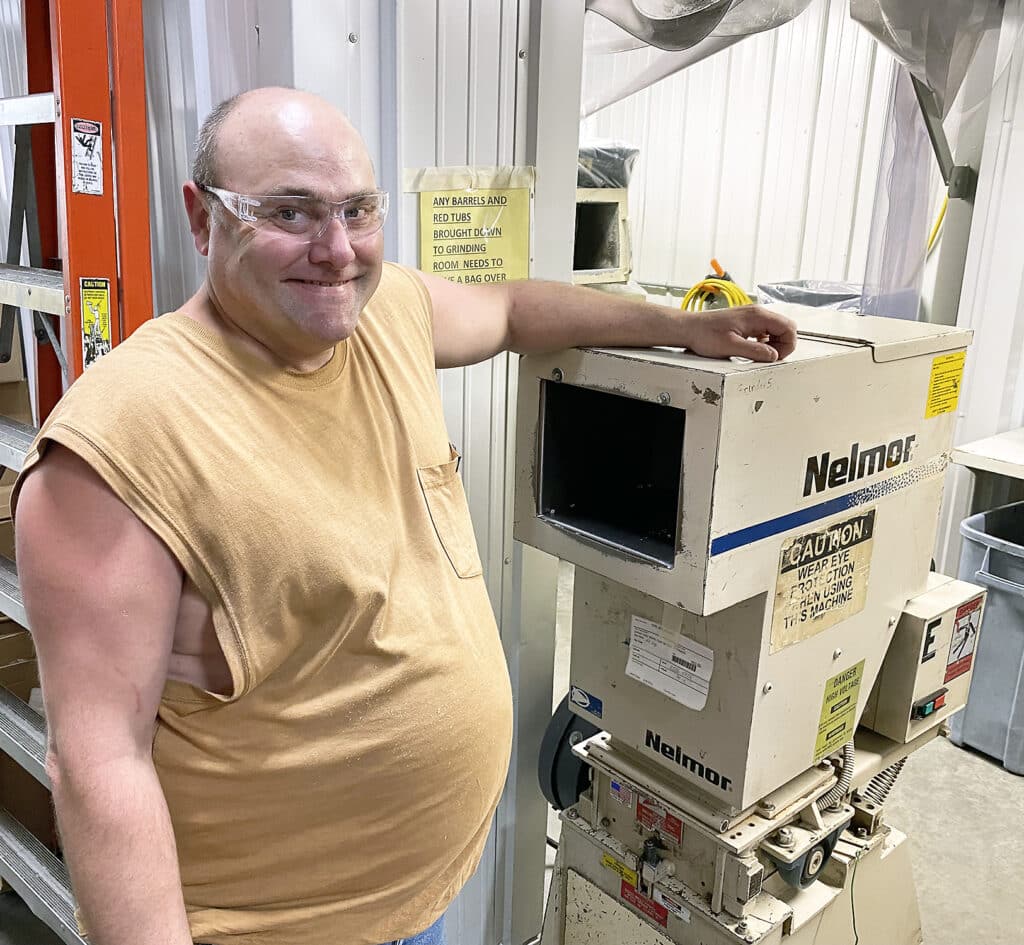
(764,155)
(457,107)
(197,54)
(992,300)
(337,50)
(457,74)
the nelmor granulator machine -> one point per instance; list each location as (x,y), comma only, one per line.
(758,641)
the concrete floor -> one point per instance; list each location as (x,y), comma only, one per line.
(963,813)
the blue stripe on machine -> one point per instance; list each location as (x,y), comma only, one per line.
(775,526)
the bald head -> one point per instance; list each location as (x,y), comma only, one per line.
(243,124)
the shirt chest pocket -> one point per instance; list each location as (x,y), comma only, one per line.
(449,513)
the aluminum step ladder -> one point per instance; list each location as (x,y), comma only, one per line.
(26,864)
(81,199)
(34,873)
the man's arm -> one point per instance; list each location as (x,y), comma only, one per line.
(473,323)
(101,592)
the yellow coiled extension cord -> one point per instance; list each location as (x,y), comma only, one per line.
(697,299)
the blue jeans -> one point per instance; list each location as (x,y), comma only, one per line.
(433,936)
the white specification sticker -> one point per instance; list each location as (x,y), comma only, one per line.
(672,904)
(671,663)
(86,157)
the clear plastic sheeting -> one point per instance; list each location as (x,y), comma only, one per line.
(897,245)
(755,16)
(605,164)
(670,9)
(678,31)
(839,296)
(681,24)
(694,32)
(935,39)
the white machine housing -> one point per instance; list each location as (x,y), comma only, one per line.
(746,535)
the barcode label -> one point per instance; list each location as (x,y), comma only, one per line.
(670,662)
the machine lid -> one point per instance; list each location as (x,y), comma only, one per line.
(890,339)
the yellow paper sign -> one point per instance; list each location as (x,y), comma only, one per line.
(619,867)
(476,237)
(838,711)
(944,386)
(95,319)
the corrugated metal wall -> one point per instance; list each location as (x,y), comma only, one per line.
(992,301)
(198,53)
(457,78)
(765,155)
(458,72)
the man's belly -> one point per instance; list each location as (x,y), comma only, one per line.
(337,801)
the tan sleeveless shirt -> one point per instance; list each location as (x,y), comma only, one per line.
(343,793)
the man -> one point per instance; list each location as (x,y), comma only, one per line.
(278,709)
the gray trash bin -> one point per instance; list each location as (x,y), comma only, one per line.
(993,556)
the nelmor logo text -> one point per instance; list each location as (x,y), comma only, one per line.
(825,472)
(675,753)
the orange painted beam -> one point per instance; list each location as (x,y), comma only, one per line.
(131,154)
(85,179)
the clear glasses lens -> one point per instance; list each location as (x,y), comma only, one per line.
(308,217)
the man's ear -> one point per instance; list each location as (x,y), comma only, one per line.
(199,219)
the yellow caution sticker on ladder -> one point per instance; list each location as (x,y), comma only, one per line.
(95,319)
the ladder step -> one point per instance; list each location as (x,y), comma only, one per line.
(36,109)
(15,441)
(11,604)
(23,735)
(39,878)
(39,289)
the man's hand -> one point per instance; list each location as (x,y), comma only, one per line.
(748,331)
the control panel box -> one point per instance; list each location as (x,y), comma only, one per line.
(926,674)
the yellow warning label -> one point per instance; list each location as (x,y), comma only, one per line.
(619,867)
(95,319)
(944,386)
(838,711)
(823,579)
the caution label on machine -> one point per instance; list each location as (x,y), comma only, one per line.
(823,579)
(629,877)
(965,635)
(944,384)
(650,908)
(652,815)
(838,711)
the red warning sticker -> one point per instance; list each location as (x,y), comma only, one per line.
(652,815)
(648,907)
(965,636)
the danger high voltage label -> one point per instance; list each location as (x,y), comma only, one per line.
(823,579)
